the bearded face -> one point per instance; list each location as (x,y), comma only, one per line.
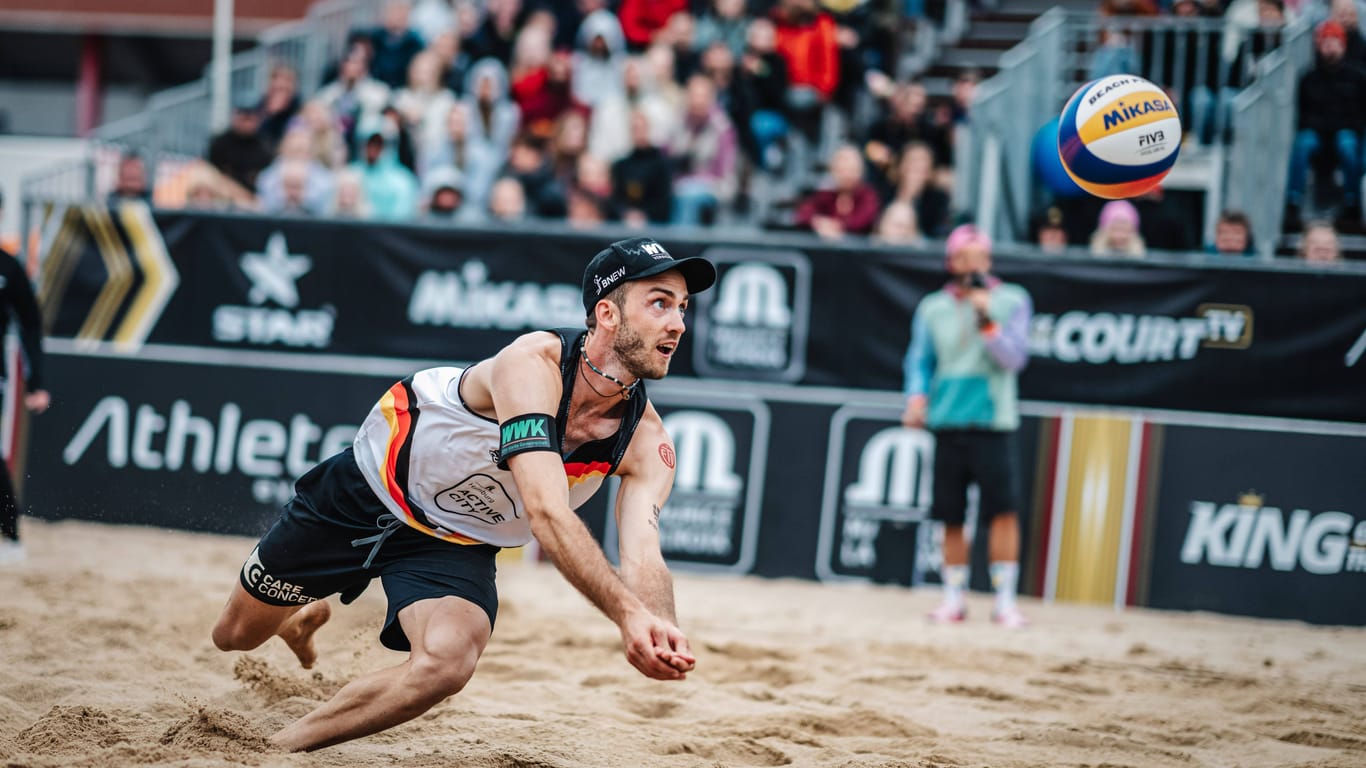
(637,355)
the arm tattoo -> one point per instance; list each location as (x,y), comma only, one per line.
(654,517)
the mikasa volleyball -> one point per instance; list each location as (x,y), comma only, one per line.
(1119,136)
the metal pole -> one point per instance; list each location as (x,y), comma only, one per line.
(221,67)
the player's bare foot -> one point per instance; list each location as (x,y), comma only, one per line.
(298,631)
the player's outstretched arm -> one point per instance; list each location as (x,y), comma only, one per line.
(647,473)
(525,379)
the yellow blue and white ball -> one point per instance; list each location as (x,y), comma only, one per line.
(1119,136)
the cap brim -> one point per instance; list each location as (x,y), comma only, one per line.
(698,273)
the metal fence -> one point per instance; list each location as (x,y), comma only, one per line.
(177,120)
(992,174)
(1264,117)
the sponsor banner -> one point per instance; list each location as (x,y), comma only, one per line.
(1261,523)
(876,471)
(770,480)
(712,519)
(1251,340)
(187,446)
(753,324)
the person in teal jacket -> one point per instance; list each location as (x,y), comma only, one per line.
(969,342)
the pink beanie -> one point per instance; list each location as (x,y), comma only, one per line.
(965,235)
(1118,210)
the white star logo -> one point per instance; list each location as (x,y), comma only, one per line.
(275,272)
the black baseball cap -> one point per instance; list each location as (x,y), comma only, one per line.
(635,258)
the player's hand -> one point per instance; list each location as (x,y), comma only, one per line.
(914,415)
(655,647)
(38,400)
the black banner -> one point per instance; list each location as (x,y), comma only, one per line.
(1261,523)
(1247,340)
(197,447)
(771,480)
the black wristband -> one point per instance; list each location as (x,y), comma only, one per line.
(528,432)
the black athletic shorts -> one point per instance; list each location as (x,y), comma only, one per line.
(312,552)
(984,457)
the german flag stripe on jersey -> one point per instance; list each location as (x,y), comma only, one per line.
(578,471)
(399,410)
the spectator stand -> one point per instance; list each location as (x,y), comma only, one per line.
(176,119)
(1248,114)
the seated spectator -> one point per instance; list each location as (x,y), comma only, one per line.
(898,226)
(760,96)
(718,64)
(279,104)
(850,206)
(329,148)
(390,188)
(599,59)
(594,175)
(452,60)
(431,19)
(424,104)
(723,22)
(586,210)
(208,190)
(807,38)
(530,166)
(541,82)
(507,200)
(568,142)
(130,181)
(1114,56)
(1167,223)
(1319,244)
(493,124)
(1117,234)
(680,35)
(395,44)
(296,147)
(442,190)
(294,193)
(349,200)
(494,37)
(659,64)
(609,134)
(240,152)
(1232,235)
(906,120)
(1049,232)
(1332,113)
(452,146)
(354,97)
(914,184)
(641,20)
(704,153)
(641,185)
(1346,14)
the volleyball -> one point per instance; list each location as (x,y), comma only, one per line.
(1119,136)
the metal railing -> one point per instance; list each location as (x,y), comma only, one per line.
(177,120)
(992,174)
(1264,119)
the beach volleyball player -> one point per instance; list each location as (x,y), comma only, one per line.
(453,464)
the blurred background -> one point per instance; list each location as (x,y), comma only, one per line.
(244,217)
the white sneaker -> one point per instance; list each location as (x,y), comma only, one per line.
(11,552)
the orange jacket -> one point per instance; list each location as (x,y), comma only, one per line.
(812,53)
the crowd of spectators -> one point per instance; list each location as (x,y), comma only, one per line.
(692,112)
(638,112)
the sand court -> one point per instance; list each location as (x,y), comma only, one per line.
(104,633)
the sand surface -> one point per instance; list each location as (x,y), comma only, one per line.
(106,662)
